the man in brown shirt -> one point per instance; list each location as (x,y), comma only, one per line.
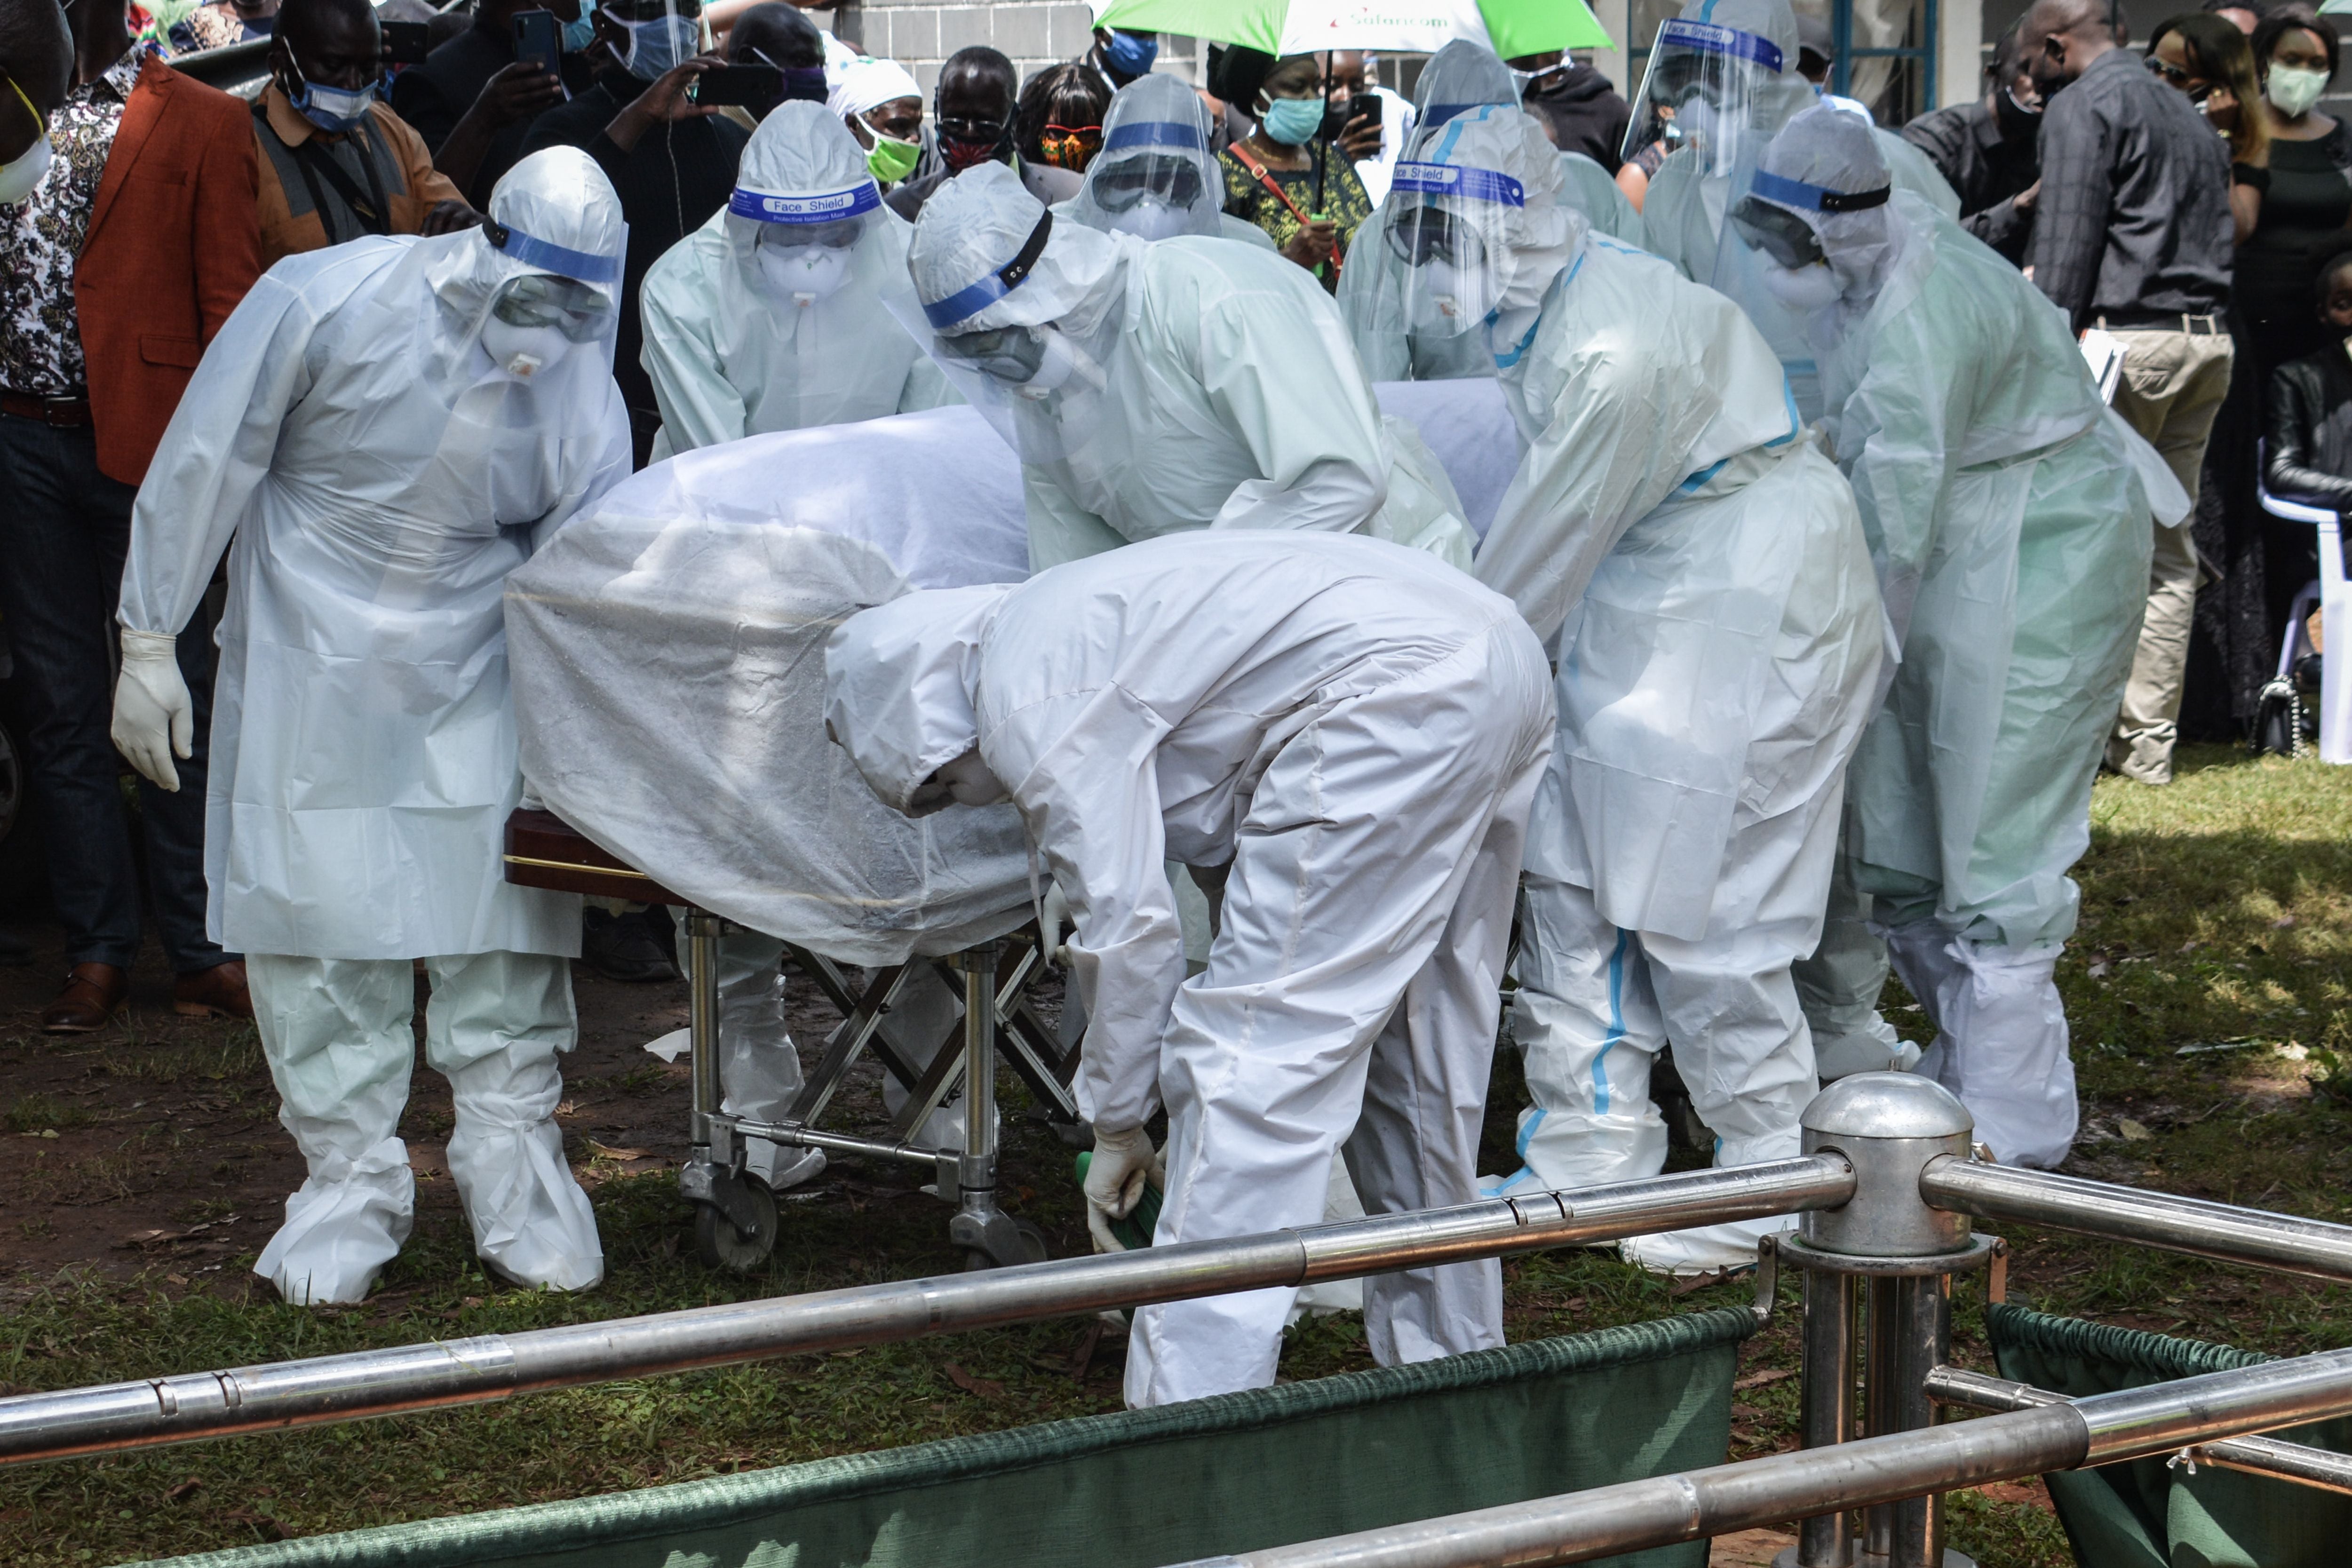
(336,163)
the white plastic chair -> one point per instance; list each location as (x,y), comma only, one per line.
(2335,617)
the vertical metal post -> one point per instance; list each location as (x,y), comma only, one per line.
(702,929)
(1922,1332)
(1881,1400)
(1827,1539)
(978,1177)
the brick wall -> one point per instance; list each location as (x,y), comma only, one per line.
(920,34)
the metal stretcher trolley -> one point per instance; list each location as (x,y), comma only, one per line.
(736,1219)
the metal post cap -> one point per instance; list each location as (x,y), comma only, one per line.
(1889,1126)
(1887,1105)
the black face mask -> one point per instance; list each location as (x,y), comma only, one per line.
(2017,122)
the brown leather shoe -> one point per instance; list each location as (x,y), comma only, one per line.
(94,993)
(216,992)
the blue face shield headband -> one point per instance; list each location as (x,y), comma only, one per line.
(824,206)
(1764,220)
(585,266)
(1707,38)
(967,303)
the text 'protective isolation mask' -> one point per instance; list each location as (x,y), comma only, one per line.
(806,240)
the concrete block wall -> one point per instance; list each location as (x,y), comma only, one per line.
(921,34)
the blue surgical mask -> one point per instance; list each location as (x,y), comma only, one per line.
(333,109)
(1293,122)
(580,32)
(660,45)
(1131,56)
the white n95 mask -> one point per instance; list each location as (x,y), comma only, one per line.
(1461,293)
(804,273)
(1808,289)
(1150,219)
(523,352)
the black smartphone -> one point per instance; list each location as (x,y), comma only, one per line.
(1336,118)
(540,36)
(751,87)
(406,43)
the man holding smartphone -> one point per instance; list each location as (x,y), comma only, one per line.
(474,99)
(336,163)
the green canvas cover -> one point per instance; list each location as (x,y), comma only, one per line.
(2145,1514)
(1143,1488)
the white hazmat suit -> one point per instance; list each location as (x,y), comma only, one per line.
(769,317)
(387,428)
(2003,506)
(1703,571)
(1158,387)
(1354,731)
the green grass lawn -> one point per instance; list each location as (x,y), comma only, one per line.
(2217,913)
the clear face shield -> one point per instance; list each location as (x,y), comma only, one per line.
(1445,229)
(804,244)
(539,323)
(1701,92)
(1772,263)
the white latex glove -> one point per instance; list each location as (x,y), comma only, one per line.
(1056,921)
(1122,1163)
(154,720)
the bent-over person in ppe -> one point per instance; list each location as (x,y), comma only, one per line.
(2010,533)
(1703,568)
(1356,732)
(387,428)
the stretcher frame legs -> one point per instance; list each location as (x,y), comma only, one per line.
(736,1215)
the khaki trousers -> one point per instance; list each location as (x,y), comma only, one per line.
(2172,386)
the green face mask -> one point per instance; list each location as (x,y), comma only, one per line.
(891,159)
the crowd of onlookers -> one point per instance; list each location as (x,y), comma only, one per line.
(2188,203)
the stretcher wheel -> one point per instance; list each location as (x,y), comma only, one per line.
(1023,1243)
(724,1245)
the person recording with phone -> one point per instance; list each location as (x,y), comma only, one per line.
(336,162)
(671,159)
(474,96)
(1293,176)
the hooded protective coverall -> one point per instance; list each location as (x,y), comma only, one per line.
(1156,176)
(2001,501)
(1460,77)
(1705,572)
(1683,214)
(1356,731)
(1157,387)
(770,316)
(387,428)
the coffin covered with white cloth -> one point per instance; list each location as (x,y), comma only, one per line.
(667,651)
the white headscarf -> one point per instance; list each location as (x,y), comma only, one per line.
(869,84)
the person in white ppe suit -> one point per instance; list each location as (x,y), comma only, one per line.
(1460,77)
(1354,732)
(770,316)
(1703,568)
(2003,507)
(387,428)
(1157,387)
(1156,174)
(1727,68)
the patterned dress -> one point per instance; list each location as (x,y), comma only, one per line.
(1345,200)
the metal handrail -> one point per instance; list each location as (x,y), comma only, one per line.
(330,1389)
(2100,1429)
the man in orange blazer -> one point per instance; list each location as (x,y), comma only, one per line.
(116,269)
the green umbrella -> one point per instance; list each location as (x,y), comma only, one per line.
(1513,28)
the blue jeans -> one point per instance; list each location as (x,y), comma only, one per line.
(64,532)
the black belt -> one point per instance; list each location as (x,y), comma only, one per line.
(64,413)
